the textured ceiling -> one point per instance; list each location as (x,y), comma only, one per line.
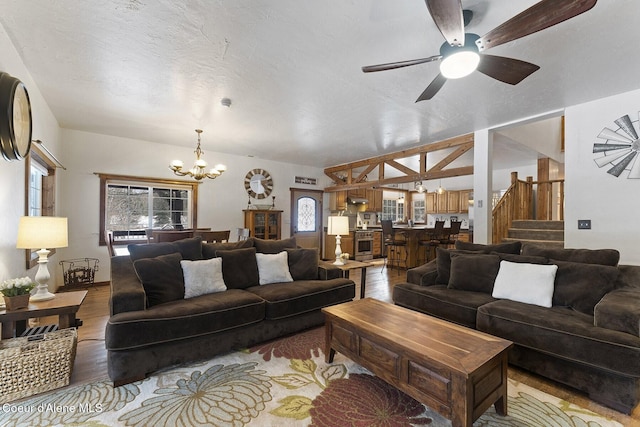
(156,70)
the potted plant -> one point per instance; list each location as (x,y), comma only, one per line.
(16,292)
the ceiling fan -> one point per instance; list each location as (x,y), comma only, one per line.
(460,54)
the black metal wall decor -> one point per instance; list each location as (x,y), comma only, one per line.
(619,151)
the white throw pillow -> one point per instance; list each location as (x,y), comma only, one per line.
(528,283)
(273,268)
(202,277)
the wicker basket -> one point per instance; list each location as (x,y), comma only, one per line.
(29,366)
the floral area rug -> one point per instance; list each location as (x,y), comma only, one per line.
(282,383)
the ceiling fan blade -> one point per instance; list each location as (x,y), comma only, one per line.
(538,17)
(393,65)
(433,88)
(507,70)
(447,15)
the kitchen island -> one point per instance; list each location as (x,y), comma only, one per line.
(416,254)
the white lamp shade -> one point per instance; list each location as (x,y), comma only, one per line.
(40,232)
(338,225)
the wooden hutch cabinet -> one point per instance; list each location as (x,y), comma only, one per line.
(263,224)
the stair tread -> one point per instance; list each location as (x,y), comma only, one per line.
(533,240)
(529,229)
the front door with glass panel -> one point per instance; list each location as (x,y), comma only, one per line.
(306,217)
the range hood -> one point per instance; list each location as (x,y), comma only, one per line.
(357,201)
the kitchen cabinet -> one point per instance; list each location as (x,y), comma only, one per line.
(375,200)
(463,236)
(432,206)
(453,201)
(359,193)
(338,201)
(377,244)
(441,203)
(263,224)
(346,244)
(464,201)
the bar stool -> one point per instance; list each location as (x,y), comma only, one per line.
(451,238)
(434,240)
(392,246)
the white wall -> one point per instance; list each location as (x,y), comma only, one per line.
(220,201)
(612,204)
(12,190)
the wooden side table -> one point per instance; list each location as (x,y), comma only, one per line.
(351,265)
(65,305)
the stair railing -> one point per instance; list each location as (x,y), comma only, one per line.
(517,203)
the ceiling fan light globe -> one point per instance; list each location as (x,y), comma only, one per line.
(459,64)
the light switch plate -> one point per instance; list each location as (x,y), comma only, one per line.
(584,224)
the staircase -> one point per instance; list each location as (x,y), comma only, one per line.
(549,234)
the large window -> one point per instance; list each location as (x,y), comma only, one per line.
(40,185)
(37,175)
(130,205)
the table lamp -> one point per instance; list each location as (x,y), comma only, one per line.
(41,232)
(338,225)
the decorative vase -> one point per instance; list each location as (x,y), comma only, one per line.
(16,302)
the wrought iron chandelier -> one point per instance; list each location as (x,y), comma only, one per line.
(198,171)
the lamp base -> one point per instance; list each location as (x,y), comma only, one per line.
(338,252)
(42,278)
(42,294)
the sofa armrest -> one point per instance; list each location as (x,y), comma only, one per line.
(328,273)
(424,275)
(127,292)
(619,310)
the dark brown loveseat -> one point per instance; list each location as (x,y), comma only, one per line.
(152,325)
(589,335)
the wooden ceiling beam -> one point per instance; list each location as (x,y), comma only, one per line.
(436,146)
(344,179)
(362,177)
(452,156)
(461,171)
(402,168)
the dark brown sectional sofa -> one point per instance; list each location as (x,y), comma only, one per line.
(152,325)
(588,337)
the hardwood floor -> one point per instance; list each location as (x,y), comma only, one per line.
(91,364)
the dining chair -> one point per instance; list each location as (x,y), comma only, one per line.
(148,232)
(217,236)
(392,246)
(243,234)
(109,240)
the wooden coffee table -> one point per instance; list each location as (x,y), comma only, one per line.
(456,371)
(65,305)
